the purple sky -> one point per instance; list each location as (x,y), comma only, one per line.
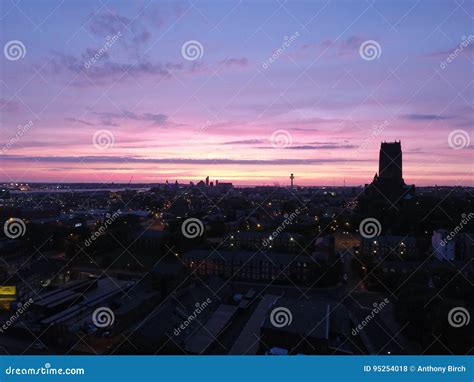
(274,88)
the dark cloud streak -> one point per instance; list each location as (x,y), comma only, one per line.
(426,117)
(123,160)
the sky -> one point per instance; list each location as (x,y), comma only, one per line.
(243,91)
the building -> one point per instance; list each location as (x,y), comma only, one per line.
(207,334)
(389,247)
(390,161)
(314,326)
(251,240)
(148,240)
(443,249)
(465,246)
(59,314)
(224,186)
(246,343)
(246,265)
(447,246)
(388,184)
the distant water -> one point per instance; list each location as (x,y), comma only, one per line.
(62,190)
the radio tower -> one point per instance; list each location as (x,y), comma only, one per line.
(291,178)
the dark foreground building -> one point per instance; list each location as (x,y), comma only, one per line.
(388,186)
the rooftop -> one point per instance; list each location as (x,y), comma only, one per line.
(200,341)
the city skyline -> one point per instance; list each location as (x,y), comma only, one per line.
(245,93)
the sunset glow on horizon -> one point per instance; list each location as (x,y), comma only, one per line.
(276,88)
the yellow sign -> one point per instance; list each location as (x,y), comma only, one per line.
(7,293)
(7,290)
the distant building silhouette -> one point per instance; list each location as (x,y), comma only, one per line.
(390,161)
(388,185)
(222,186)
